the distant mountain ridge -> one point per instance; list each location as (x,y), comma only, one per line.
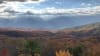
(77,32)
(87,30)
(89,26)
(42,22)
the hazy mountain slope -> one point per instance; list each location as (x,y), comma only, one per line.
(57,22)
(86,30)
(82,31)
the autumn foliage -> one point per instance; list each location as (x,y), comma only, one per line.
(4,52)
(63,53)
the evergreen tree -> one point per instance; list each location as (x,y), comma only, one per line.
(32,47)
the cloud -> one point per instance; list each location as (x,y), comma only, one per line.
(71,12)
(20,0)
(14,0)
(76,11)
(86,4)
(16,9)
(25,1)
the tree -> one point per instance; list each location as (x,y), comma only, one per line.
(77,51)
(32,47)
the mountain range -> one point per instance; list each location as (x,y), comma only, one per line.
(88,30)
(57,22)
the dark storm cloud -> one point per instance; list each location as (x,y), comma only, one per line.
(1,1)
(12,0)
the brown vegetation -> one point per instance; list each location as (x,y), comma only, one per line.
(79,42)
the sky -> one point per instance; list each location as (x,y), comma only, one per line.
(43,13)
